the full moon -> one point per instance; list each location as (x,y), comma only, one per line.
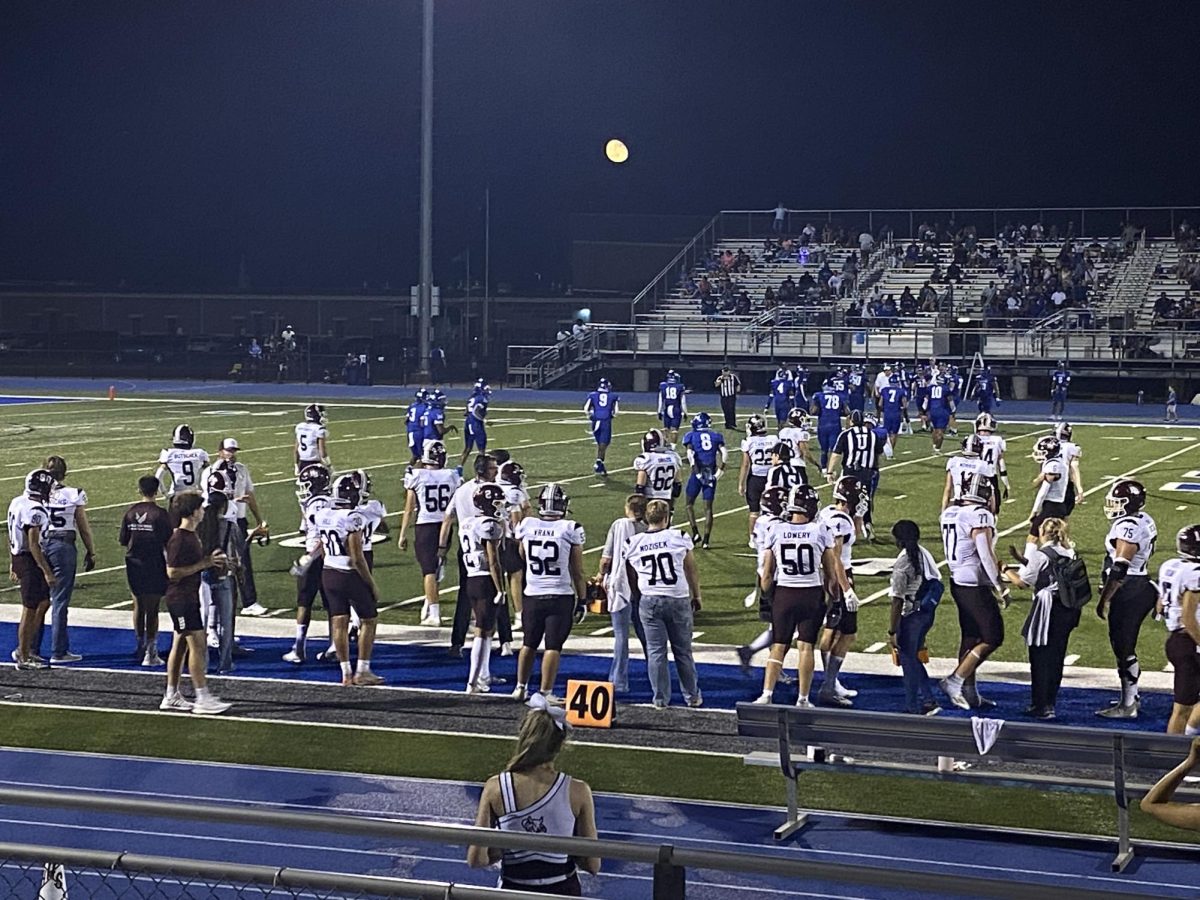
(616,151)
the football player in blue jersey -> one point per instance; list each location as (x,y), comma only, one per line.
(856,386)
(954,385)
(672,405)
(985,391)
(707,456)
(828,405)
(413,424)
(893,402)
(938,406)
(433,419)
(920,394)
(1059,382)
(600,408)
(475,424)
(800,388)
(780,395)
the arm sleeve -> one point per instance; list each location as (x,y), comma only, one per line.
(987,556)
(1043,489)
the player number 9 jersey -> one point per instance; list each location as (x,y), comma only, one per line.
(185,467)
(547,544)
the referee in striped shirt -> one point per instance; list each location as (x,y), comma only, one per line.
(857,452)
(728,385)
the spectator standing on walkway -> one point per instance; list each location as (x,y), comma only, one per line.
(728,385)
(780,216)
(68,520)
(532,796)
(621,606)
(244,501)
(662,572)
(145,530)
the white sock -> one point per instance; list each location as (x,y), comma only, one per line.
(761,642)
(485,664)
(424,609)
(202,693)
(346,670)
(172,690)
(477,649)
(1191,730)
(301,639)
(364,666)
(955,682)
(435,610)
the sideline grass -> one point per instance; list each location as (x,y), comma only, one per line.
(617,770)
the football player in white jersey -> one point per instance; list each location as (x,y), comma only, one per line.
(511,478)
(27,520)
(662,574)
(773,503)
(1050,499)
(552,547)
(844,519)
(756,463)
(802,565)
(312,491)
(970,460)
(968,537)
(1127,588)
(428,491)
(1179,604)
(184,461)
(659,469)
(312,438)
(994,447)
(797,436)
(68,519)
(480,537)
(347,580)
(1071,454)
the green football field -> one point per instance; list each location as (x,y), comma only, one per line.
(108,445)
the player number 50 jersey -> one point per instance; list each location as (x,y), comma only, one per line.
(547,544)
(798,550)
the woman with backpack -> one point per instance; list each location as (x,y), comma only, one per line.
(1059,581)
(916,590)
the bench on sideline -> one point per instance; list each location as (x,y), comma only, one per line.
(805,735)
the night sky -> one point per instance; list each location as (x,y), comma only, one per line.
(159,142)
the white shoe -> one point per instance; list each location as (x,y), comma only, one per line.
(151,660)
(214,642)
(842,691)
(956,696)
(763,699)
(176,703)
(553,699)
(329,654)
(479,687)
(520,693)
(432,621)
(506,649)
(255,609)
(750,543)
(803,703)
(211,705)
(293,657)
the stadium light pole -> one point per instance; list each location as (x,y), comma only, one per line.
(425,289)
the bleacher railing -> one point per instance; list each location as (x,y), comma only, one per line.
(683,261)
(670,863)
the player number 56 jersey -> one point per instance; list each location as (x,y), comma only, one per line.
(660,468)
(547,544)
(185,467)
(657,559)
(962,555)
(798,550)
(335,527)
(1136,529)
(434,489)
(1175,578)
(471,535)
(23,512)
(307,436)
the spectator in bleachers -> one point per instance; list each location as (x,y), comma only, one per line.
(780,216)
(911,255)
(908,304)
(866,242)
(787,290)
(808,234)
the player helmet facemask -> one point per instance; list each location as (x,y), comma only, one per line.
(553,501)
(1046,448)
(313,480)
(756,425)
(183,437)
(434,454)
(1124,498)
(489,500)
(363,479)
(1187,542)
(38,484)
(345,491)
(315,413)
(483,464)
(803,501)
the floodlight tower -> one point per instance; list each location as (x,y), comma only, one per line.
(425,289)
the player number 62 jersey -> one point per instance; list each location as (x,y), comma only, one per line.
(660,468)
(547,544)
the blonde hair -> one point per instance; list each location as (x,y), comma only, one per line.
(1056,531)
(538,742)
(658,512)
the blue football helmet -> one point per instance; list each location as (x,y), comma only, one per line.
(604,385)
(701,420)
(437,398)
(422,395)
(672,375)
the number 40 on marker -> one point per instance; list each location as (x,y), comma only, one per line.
(590,703)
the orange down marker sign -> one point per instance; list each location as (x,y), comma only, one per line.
(590,703)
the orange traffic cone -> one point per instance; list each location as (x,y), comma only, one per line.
(112,392)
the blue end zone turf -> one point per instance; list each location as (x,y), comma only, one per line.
(723,686)
(6,400)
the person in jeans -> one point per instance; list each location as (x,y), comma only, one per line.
(218,531)
(911,620)
(662,571)
(616,585)
(1050,622)
(67,520)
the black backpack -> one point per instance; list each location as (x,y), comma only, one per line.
(1070,576)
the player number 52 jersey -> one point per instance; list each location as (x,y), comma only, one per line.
(1136,529)
(185,467)
(307,436)
(547,544)
(798,550)
(335,527)
(962,555)
(1175,578)
(434,489)
(660,468)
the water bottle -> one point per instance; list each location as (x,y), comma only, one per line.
(1141,397)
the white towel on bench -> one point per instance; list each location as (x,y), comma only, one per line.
(986,731)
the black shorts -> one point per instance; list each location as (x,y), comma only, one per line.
(547,617)
(510,557)
(185,615)
(755,485)
(840,619)
(481,591)
(797,611)
(1181,651)
(765,601)
(147,577)
(979,617)
(346,590)
(34,590)
(425,546)
(310,585)
(1050,510)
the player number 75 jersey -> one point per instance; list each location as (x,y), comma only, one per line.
(1137,529)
